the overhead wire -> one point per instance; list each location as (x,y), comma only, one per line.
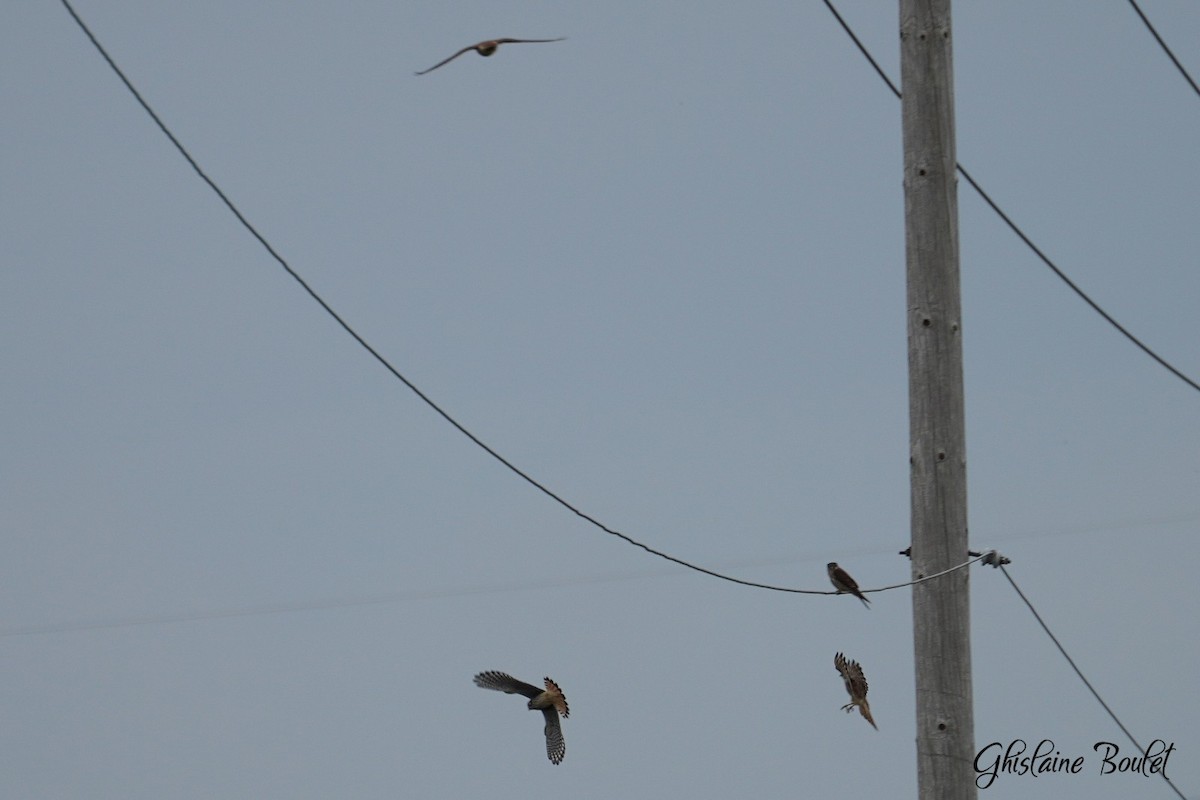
(1013,225)
(379,357)
(270,609)
(1083,678)
(409,384)
(1179,66)
(296,606)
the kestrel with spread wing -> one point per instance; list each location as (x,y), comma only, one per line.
(856,687)
(550,701)
(844,583)
(486,49)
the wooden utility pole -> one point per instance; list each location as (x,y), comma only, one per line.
(941,607)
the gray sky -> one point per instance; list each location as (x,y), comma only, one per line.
(660,267)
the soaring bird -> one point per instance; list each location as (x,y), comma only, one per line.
(486,49)
(550,701)
(856,687)
(842,581)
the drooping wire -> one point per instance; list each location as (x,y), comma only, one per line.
(1070,283)
(387,365)
(377,355)
(1165,49)
(1014,227)
(1086,682)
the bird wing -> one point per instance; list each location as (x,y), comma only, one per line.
(447,60)
(843,577)
(503,682)
(852,676)
(839,663)
(842,580)
(556,746)
(519,41)
(858,681)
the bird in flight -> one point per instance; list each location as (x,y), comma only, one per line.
(486,49)
(842,581)
(856,687)
(550,701)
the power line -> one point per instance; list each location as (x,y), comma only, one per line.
(375,353)
(267,609)
(380,358)
(1086,682)
(296,606)
(399,376)
(1014,227)
(1165,49)
(862,48)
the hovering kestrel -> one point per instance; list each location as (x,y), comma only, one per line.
(551,702)
(486,49)
(856,687)
(844,583)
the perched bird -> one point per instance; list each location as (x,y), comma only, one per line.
(856,687)
(550,701)
(844,583)
(486,49)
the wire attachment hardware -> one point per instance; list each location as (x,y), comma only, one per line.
(993,559)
